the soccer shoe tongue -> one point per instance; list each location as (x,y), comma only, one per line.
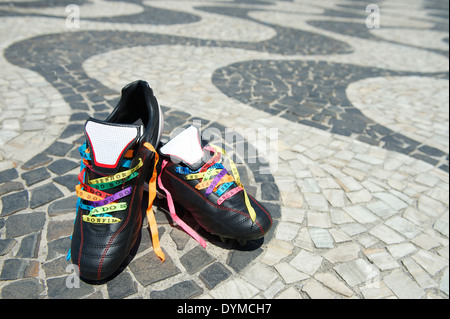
(186,148)
(109,142)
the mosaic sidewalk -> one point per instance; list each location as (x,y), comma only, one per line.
(341,130)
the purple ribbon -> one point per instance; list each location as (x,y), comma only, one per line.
(112,198)
(215,181)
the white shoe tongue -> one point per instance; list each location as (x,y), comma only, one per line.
(185,147)
(109,142)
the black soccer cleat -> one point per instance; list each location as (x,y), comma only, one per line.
(117,158)
(193,176)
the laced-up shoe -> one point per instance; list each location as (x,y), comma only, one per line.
(117,158)
(193,176)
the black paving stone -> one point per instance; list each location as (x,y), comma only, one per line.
(38,160)
(180,238)
(269,191)
(16,269)
(71,130)
(22,224)
(29,246)
(62,206)
(35,176)
(58,247)
(97,108)
(239,259)
(425,158)
(431,151)
(44,194)
(274,209)
(149,269)
(15,202)
(214,275)
(62,166)
(182,290)
(75,153)
(67,180)
(79,106)
(56,267)
(9,187)
(8,175)
(58,149)
(57,288)
(82,116)
(23,289)
(57,229)
(121,286)
(196,259)
(6,245)
(144,241)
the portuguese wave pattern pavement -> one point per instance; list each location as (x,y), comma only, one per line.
(341,130)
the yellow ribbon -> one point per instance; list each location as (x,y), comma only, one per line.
(237,179)
(118,176)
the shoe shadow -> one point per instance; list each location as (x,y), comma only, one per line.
(162,216)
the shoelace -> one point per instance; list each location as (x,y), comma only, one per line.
(213,177)
(101,204)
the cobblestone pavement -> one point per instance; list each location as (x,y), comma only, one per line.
(341,130)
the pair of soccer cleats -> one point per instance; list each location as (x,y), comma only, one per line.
(120,158)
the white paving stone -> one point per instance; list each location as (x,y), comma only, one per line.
(391,200)
(386,234)
(289,293)
(378,290)
(357,271)
(360,214)
(335,197)
(289,273)
(426,242)
(307,262)
(316,201)
(321,238)
(303,240)
(401,250)
(287,231)
(403,286)
(332,282)
(276,251)
(344,252)
(234,289)
(430,206)
(403,226)
(294,215)
(381,258)
(431,262)
(419,274)
(260,276)
(362,196)
(381,209)
(321,220)
(444,282)
(316,290)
